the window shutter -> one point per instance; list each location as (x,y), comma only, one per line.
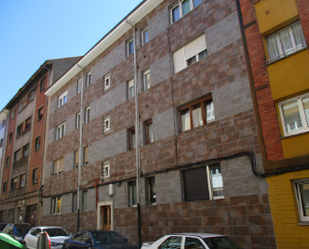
(61,164)
(76,158)
(194,47)
(195,184)
(86,154)
(179,60)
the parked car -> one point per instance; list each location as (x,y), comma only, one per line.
(17,231)
(192,241)
(56,234)
(2,226)
(100,239)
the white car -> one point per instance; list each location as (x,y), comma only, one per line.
(192,241)
(57,236)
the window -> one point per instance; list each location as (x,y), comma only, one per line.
(56,205)
(285,42)
(86,155)
(19,130)
(106,124)
(146,79)
(74,203)
(203,183)
(76,159)
(40,113)
(173,242)
(37,143)
(16,155)
(23,180)
(190,53)
(22,104)
(295,115)
(77,120)
(105,170)
(13,113)
(43,84)
(35,174)
(106,83)
(63,98)
(145,35)
(182,8)
(131,90)
(130,46)
(60,132)
(14,183)
(302,193)
(194,243)
(87,115)
(84,201)
(151,190)
(132,193)
(1,142)
(10,137)
(132,141)
(58,166)
(28,123)
(79,85)
(7,164)
(88,79)
(26,150)
(196,114)
(5,186)
(149,132)
(31,96)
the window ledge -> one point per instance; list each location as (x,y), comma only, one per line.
(199,127)
(287,56)
(294,135)
(303,223)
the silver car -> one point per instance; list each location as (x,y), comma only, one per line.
(57,236)
(192,241)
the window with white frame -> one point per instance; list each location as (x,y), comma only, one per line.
(84,201)
(302,194)
(106,124)
(74,202)
(58,166)
(60,131)
(63,98)
(105,170)
(295,115)
(151,190)
(106,82)
(190,53)
(130,46)
(26,150)
(37,143)
(56,207)
(35,175)
(132,142)
(88,79)
(87,115)
(196,114)
(131,90)
(145,35)
(149,137)
(132,195)
(285,42)
(76,159)
(23,180)
(183,7)
(86,158)
(203,183)
(77,120)
(146,79)
(79,85)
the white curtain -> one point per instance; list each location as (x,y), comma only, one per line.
(291,116)
(186,8)
(197,118)
(185,121)
(286,41)
(298,35)
(272,46)
(306,108)
(210,112)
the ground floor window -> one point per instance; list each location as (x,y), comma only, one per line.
(56,205)
(302,192)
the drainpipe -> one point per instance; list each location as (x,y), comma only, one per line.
(137,136)
(80,145)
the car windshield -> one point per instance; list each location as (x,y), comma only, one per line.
(221,243)
(54,232)
(107,237)
(22,229)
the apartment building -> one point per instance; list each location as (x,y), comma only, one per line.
(277,35)
(154,130)
(23,145)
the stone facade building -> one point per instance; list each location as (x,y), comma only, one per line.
(154,130)
(23,145)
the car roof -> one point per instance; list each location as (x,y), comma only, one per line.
(201,235)
(48,227)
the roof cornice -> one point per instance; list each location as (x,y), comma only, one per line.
(120,29)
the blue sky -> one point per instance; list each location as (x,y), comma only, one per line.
(33,31)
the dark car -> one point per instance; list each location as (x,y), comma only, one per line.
(17,231)
(2,226)
(100,239)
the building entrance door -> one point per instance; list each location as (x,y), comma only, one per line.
(31,215)
(106,217)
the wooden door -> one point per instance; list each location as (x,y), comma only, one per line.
(106,217)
